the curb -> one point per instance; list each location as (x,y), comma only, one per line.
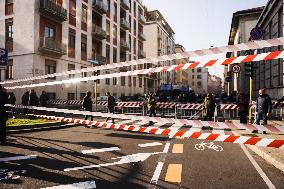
(33,126)
(43,127)
(267,157)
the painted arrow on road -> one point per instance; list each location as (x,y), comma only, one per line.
(123,160)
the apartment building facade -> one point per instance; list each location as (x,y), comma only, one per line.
(49,36)
(160,41)
(242,23)
(182,76)
(199,80)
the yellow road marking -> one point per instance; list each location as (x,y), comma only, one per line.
(174,173)
(177,148)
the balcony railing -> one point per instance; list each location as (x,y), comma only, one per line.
(51,47)
(141,54)
(142,36)
(124,45)
(52,10)
(100,6)
(142,18)
(125,4)
(124,24)
(98,57)
(99,32)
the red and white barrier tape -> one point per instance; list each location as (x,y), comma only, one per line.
(187,66)
(256,141)
(217,50)
(177,122)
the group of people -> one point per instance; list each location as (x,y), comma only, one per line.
(30,98)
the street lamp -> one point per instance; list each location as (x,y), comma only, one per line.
(96,73)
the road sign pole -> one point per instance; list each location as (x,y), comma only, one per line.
(250,98)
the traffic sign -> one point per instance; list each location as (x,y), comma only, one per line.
(229,79)
(236,68)
(3,57)
(256,33)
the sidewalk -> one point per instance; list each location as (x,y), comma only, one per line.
(274,156)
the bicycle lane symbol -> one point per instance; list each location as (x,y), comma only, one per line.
(203,145)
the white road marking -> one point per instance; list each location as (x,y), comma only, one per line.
(160,165)
(123,160)
(150,144)
(100,150)
(257,167)
(80,185)
(16,158)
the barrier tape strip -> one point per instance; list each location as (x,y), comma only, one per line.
(256,141)
(217,50)
(187,66)
(177,122)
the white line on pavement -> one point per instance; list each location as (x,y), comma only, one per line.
(150,144)
(17,158)
(160,165)
(100,150)
(80,185)
(257,167)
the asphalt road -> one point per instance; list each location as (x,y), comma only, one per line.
(128,160)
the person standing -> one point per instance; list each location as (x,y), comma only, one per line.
(110,105)
(25,99)
(12,101)
(208,107)
(88,105)
(263,107)
(151,105)
(3,114)
(33,99)
(43,99)
(243,104)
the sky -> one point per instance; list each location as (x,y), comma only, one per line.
(198,24)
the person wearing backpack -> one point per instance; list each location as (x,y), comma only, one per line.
(110,105)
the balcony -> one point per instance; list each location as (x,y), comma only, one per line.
(125,4)
(142,19)
(51,47)
(99,32)
(124,45)
(142,36)
(124,24)
(98,57)
(100,6)
(53,11)
(141,54)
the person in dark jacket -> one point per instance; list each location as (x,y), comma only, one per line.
(33,99)
(43,99)
(25,99)
(263,107)
(88,105)
(110,105)
(3,114)
(243,104)
(208,107)
(12,101)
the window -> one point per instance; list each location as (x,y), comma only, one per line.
(199,77)
(129,81)
(84,43)
(114,55)
(114,34)
(9,2)
(108,30)
(192,76)
(70,68)
(9,70)
(71,39)
(198,69)
(199,84)
(134,81)
(72,8)
(84,74)
(192,83)
(192,70)
(115,12)
(108,53)
(49,31)
(9,31)
(122,81)
(114,81)
(50,68)
(71,96)
(140,82)
(107,79)
(84,14)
